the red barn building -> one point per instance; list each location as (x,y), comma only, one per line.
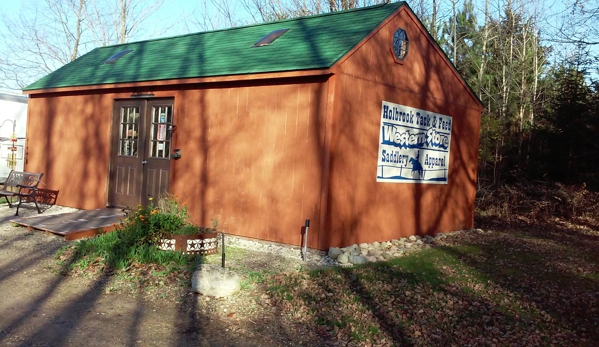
(355,120)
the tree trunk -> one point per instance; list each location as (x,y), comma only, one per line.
(123,21)
(485,38)
(434,21)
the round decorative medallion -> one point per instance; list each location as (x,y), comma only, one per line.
(400,44)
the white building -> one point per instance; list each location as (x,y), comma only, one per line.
(13,120)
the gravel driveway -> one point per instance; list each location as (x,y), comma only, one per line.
(40,307)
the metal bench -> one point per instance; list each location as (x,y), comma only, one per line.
(24,185)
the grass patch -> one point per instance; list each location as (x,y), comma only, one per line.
(491,289)
(132,247)
(117,251)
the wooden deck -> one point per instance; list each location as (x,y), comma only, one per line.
(75,225)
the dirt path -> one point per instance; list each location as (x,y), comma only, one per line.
(39,307)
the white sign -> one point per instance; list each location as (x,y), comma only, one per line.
(413,146)
(161,136)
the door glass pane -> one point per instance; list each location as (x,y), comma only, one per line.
(160,131)
(129,129)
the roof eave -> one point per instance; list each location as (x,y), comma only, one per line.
(186,81)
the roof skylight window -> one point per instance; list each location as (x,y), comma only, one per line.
(270,37)
(117,56)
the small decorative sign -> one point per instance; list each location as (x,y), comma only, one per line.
(414,145)
(161,135)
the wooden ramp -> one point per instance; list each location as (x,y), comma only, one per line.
(75,225)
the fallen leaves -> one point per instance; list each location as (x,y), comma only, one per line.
(503,288)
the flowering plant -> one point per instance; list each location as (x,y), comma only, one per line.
(148,224)
(166,216)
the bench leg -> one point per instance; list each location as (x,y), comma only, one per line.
(36,206)
(34,201)
(9,204)
(19,205)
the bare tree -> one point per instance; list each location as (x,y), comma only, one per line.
(454,30)
(485,36)
(579,23)
(118,21)
(45,36)
(227,11)
(40,40)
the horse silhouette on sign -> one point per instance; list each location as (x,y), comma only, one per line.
(417,170)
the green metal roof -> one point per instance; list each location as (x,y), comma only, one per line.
(314,42)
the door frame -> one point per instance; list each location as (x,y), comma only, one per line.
(146,134)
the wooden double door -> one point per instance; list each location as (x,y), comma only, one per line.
(140,151)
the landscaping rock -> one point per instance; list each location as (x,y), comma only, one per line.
(357,259)
(385,250)
(214,280)
(349,248)
(334,252)
(343,258)
(375,252)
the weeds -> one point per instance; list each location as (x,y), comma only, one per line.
(133,242)
(537,201)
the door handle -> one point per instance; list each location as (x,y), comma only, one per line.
(143,162)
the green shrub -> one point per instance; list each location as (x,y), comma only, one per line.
(135,239)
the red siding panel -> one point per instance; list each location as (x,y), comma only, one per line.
(68,140)
(362,210)
(251,152)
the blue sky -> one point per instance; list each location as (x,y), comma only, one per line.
(178,12)
(178,17)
